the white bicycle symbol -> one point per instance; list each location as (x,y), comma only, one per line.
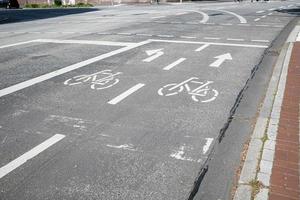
(107,79)
(201,92)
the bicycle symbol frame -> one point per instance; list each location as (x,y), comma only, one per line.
(202,93)
(104,82)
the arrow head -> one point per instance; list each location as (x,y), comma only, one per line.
(226,56)
(152,52)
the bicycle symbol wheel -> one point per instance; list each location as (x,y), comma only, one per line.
(103,85)
(168,91)
(211,95)
(77,80)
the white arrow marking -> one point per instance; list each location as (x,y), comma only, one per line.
(153,54)
(221,59)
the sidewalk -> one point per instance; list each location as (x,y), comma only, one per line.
(271,170)
(284,183)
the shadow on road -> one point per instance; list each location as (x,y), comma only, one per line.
(292,11)
(12,16)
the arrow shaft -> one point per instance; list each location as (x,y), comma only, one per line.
(217,63)
(149,59)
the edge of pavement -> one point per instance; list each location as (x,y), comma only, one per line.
(254,180)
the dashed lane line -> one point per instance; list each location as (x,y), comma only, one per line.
(166,36)
(202,47)
(261,11)
(126,94)
(6,169)
(260,40)
(188,37)
(257,19)
(158,17)
(235,39)
(39,79)
(177,62)
(212,38)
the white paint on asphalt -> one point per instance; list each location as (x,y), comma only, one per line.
(158,17)
(211,38)
(17,44)
(205,16)
(144,34)
(235,39)
(242,19)
(211,43)
(207,145)
(64,70)
(105,43)
(123,146)
(126,94)
(188,37)
(153,54)
(264,16)
(182,13)
(179,155)
(221,59)
(270,13)
(261,11)
(167,36)
(257,19)
(29,155)
(260,40)
(177,62)
(202,47)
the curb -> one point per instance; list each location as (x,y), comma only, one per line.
(256,172)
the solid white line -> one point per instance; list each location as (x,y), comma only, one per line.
(124,33)
(211,43)
(204,15)
(263,25)
(30,154)
(202,47)
(257,19)
(144,34)
(64,70)
(177,62)
(126,94)
(235,39)
(260,40)
(107,43)
(16,44)
(261,11)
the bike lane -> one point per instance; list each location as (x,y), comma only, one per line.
(146,144)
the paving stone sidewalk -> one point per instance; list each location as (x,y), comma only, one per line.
(284,182)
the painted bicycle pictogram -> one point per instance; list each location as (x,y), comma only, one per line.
(203,93)
(99,80)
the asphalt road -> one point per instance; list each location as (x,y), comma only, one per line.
(129,102)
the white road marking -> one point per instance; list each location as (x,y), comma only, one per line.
(270,13)
(17,44)
(64,70)
(153,54)
(226,24)
(179,155)
(168,36)
(123,146)
(211,38)
(105,43)
(210,23)
(207,145)
(177,62)
(242,19)
(205,16)
(260,40)
(290,5)
(188,37)
(261,11)
(158,17)
(124,33)
(221,59)
(144,34)
(235,39)
(126,94)
(262,25)
(202,47)
(29,155)
(244,25)
(264,16)
(211,43)
(272,9)
(182,13)
(257,19)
